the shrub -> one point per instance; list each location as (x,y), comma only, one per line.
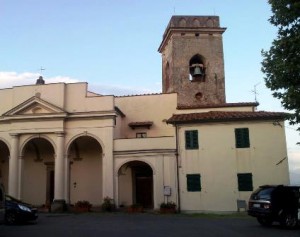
(83,204)
(168,205)
(108,204)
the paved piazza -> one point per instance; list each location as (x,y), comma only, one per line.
(143,225)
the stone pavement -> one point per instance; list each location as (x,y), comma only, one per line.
(142,225)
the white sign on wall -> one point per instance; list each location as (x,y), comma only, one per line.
(167,190)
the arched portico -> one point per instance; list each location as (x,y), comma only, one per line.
(135,184)
(37,171)
(4,163)
(85,155)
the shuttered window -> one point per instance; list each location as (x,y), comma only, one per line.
(193,182)
(245,182)
(242,138)
(191,139)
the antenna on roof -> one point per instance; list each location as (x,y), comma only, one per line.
(42,69)
(40,80)
(254,91)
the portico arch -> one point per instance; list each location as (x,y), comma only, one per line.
(135,184)
(37,170)
(4,163)
(85,155)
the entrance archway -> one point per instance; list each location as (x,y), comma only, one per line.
(38,172)
(85,156)
(136,184)
(4,164)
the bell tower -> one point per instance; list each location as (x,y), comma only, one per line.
(192,60)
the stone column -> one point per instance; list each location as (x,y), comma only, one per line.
(108,176)
(20,175)
(108,164)
(67,180)
(13,173)
(58,204)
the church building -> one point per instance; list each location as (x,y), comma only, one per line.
(60,143)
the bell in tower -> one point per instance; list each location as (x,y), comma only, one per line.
(197,70)
(192,60)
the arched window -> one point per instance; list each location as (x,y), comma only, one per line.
(167,77)
(197,68)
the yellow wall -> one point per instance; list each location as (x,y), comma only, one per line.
(218,162)
(154,108)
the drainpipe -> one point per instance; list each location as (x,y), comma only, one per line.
(177,168)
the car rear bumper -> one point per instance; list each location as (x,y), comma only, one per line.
(259,213)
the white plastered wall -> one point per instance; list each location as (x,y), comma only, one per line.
(218,162)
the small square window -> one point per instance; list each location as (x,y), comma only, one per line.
(191,139)
(242,138)
(193,182)
(245,182)
(141,135)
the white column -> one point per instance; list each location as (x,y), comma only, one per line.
(59,168)
(108,164)
(13,172)
(116,198)
(67,179)
(20,176)
(108,176)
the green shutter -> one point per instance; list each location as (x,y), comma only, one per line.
(245,182)
(242,138)
(191,139)
(193,182)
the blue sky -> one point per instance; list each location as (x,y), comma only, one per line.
(112,45)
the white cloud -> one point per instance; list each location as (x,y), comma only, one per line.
(61,79)
(294,159)
(294,165)
(10,79)
(119,90)
(295,177)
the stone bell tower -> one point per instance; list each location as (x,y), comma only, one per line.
(192,60)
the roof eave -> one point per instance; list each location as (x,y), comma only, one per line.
(174,122)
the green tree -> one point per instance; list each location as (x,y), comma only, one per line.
(281,64)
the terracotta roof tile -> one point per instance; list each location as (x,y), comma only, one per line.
(218,116)
(240,104)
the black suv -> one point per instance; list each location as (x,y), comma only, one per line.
(270,203)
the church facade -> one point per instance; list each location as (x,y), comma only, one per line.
(60,143)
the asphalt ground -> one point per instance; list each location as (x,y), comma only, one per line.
(143,225)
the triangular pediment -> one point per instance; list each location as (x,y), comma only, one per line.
(34,106)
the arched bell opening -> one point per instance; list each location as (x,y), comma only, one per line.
(197,68)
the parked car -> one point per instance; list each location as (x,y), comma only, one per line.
(276,203)
(17,211)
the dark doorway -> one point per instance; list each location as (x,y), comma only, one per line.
(144,191)
(143,180)
(51,194)
(50,184)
